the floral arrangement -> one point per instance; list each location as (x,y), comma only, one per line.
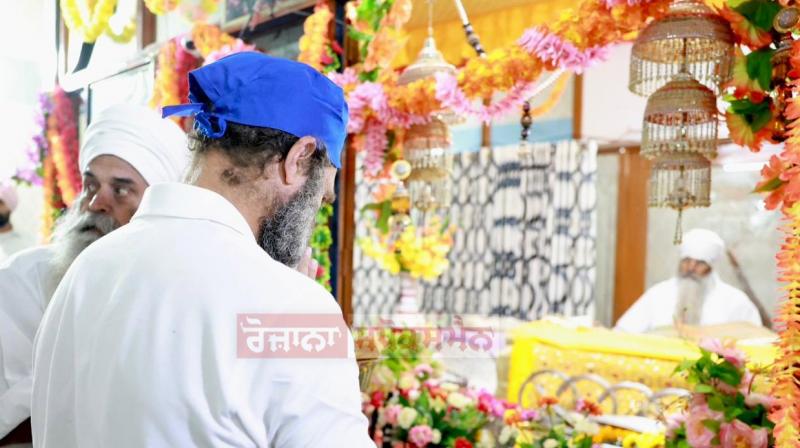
(62,135)
(316,48)
(213,44)
(171,82)
(321,240)
(100,13)
(53,156)
(724,410)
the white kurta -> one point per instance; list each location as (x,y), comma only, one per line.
(13,242)
(139,344)
(656,308)
(24,280)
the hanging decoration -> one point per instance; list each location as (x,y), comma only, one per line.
(31,173)
(690,39)
(100,13)
(171,86)
(212,43)
(161,7)
(62,135)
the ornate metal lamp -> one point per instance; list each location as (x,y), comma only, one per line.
(690,34)
(680,181)
(680,118)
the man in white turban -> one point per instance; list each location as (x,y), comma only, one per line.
(696,296)
(126,149)
(11,240)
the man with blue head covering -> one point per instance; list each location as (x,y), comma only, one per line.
(203,334)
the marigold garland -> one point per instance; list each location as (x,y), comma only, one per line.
(161,7)
(64,147)
(314,43)
(100,12)
(171,83)
(53,203)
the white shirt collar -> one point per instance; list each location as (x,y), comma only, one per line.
(190,202)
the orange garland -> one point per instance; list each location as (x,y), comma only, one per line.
(314,43)
(209,38)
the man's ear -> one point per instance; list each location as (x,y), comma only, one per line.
(299,154)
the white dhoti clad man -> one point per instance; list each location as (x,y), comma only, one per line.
(126,148)
(141,343)
(696,296)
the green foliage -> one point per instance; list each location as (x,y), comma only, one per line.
(760,13)
(321,240)
(384,211)
(759,67)
(757,115)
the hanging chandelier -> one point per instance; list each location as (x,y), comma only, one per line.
(680,181)
(690,37)
(680,118)
(426,147)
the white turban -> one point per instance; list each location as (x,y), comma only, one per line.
(703,245)
(8,194)
(156,147)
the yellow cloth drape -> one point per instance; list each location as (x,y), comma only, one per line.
(613,355)
(495,29)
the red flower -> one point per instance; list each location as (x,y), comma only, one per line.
(336,47)
(462,443)
(588,407)
(771,182)
(747,33)
(547,401)
(377,399)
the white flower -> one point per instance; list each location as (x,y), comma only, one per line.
(550,443)
(484,439)
(508,434)
(407,417)
(458,400)
(450,387)
(413,394)
(584,426)
(408,381)
(437,437)
(438,405)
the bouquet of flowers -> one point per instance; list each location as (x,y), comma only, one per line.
(724,410)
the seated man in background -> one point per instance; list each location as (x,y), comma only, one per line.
(11,240)
(696,296)
(126,148)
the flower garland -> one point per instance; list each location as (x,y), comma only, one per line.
(62,135)
(100,13)
(316,49)
(786,372)
(171,84)
(321,241)
(212,43)
(161,7)
(53,202)
(31,173)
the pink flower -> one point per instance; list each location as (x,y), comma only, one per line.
(738,434)
(727,351)
(423,369)
(697,434)
(756,399)
(391,413)
(558,52)
(674,422)
(420,435)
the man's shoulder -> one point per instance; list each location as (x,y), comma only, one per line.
(28,258)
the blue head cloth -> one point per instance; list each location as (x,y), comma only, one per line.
(258,90)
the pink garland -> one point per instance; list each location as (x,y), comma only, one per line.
(555,50)
(452,97)
(375,145)
(612,3)
(238,47)
(371,96)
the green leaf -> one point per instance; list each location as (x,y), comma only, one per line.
(760,13)
(757,115)
(715,403)
(712,425)
(771,185)
(703,389)
(759,67)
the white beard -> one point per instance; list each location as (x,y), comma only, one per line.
(70,239)
(691,297)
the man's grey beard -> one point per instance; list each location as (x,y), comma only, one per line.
(691,297)
(286,233)
(74,232)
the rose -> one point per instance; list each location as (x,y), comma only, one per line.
(408,381)
(436,437)
(420,435)
(484,439)
(407,417)
(697,433)
(461,442)
(739,434)
(391,413)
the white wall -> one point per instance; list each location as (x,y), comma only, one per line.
(26,54)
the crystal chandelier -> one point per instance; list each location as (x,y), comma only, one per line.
(679,181)
(690,37)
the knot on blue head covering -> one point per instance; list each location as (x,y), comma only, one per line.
(205,122)
(254,89)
